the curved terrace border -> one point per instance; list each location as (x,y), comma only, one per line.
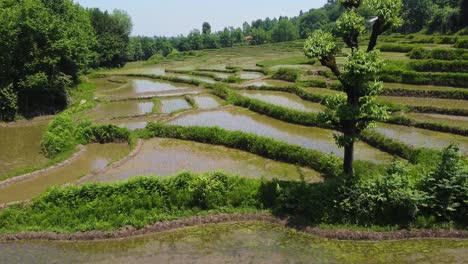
(25,177)
(132,232)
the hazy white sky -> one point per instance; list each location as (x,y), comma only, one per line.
(173,17)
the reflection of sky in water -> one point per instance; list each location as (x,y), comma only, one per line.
(250,75)
(146,86)
(133,125)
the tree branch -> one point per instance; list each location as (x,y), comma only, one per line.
(378,28)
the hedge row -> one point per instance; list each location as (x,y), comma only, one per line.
(397,47)
(313,83)
(439,54)
(168,78)
(303,94)
(287,74)
(397,148)
(447,94)
(462,44)
(439,65)
(429,78)
(405,121)
(327,164)
(274,111)
(438,110)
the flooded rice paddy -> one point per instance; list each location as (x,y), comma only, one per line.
(421,137)
(448,120)
(250,75)
(95,158)
(173,105)
(111,110)
(250,242)
(432,102)
(207,101)
(239,119)
(20,147)
(167,157)
(287,100)
(135,87)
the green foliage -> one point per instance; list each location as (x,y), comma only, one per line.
(112,33)
(62,134)
(462,44)
(44,45)
(390,199)
(137,202)
(320,45)
(438,54)
(386,10)
(8,103)
(447,188)
(287,74)
(284,31)
(398,47)
(402,120)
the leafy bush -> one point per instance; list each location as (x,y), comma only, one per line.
(8,103)
(286,74)
(462,44)
(447,188)
(137,202)
(62,134)
(390,199)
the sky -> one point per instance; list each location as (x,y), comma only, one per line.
(174,17)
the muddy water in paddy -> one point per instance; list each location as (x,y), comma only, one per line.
(95,158)
(20,147)
(194,77)
(172,105)
(421,137)
(251,242)
(167,157)
(250,75)
(206,101)
(137,87)
(287,100)
(455,121)
(121,109)
(309,137)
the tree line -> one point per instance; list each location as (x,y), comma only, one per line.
(46,44)
(427,16)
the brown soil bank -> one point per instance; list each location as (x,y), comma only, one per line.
(128,232)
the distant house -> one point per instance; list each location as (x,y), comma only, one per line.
(248,39)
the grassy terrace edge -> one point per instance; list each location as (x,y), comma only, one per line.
(144,205)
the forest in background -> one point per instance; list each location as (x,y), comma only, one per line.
(46,44)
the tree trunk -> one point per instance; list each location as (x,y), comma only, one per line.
(348,159)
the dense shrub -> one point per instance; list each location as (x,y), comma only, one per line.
(439,54)
(439,65)
(137,202)
(390,199)
(287,74)
(447,188)
(62,134)
(462,44)
(8,103)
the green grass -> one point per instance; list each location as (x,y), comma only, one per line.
(286,61)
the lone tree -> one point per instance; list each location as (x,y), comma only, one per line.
(356,110)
